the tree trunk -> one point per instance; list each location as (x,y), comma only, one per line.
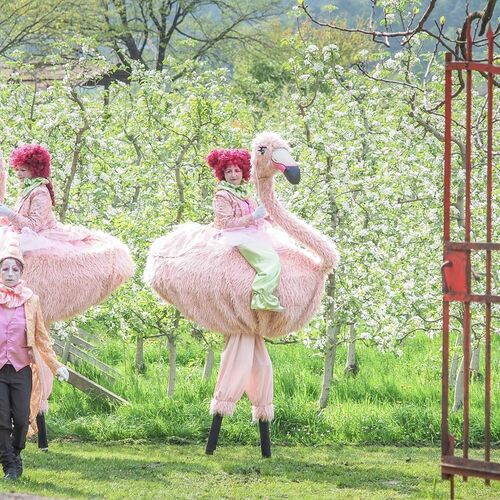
(332,329)
(172,361)
(475,363)
(454,362)
(67,348)
(330,355)
(77,149)
(332,334)
(209,364)
(139,355)
(351,367)
(458,399)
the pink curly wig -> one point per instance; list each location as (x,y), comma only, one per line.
(37,159)
(219,159)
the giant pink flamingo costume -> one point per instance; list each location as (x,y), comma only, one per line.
(210,284)
(70,282)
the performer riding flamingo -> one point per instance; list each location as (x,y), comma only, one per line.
(210,282)
(70,268)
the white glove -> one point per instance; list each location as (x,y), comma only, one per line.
(260,212)
(62,374)
(5,211)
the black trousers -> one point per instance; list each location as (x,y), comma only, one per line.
(15,395)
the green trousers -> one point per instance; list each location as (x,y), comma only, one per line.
(266,263)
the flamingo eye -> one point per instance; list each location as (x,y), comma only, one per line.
(262,150)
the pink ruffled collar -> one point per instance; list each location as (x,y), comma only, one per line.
(15,296)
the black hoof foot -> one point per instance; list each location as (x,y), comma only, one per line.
(214,434)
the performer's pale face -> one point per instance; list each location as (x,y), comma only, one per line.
(10,272)
(233,174)
(23,173)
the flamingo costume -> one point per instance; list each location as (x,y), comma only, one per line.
(211,284)
(70,268)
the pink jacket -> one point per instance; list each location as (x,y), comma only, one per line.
(34,211)
(44,358)
(232,213)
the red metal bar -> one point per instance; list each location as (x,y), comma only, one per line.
(466,316)
(470,467)
(446,237)
(471,297)
(447,148)
(461,245)
(489,197)
(475,66)
(444,381)
(468,134)
(466,349)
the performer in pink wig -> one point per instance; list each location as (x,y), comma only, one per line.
(26,356)
(242,224)
(203,272)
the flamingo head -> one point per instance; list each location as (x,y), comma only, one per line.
(271,154)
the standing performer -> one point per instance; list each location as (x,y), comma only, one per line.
(25,356)
(196,269)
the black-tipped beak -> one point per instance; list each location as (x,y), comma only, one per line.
(284,162)
(292,174)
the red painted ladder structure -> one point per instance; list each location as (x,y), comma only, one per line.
(456,270)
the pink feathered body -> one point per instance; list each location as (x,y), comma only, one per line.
(211,283)
(70,268)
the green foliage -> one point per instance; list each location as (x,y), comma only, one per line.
(371,181)
(391,401)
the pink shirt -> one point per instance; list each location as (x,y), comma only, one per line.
(13,348)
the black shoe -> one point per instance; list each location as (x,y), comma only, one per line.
(10,471)
(19,462)
(265,441)
(214,434)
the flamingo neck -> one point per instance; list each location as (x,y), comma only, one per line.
(296,228)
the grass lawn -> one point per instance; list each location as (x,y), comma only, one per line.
(89,470)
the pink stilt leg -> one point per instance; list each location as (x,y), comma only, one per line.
(235,368)
(260,383)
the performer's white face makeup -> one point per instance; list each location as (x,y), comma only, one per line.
(233,174)
(23,173)
(10,272)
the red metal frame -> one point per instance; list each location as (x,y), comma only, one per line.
(456,271)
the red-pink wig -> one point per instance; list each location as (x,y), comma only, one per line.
(33,156)
(219,159)
(37,160)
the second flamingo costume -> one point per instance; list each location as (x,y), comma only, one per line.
(70,268)
(211,283)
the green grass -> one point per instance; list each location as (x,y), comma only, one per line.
(158,471)
(392,401)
